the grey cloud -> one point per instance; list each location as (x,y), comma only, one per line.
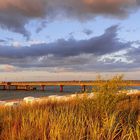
(14,22)
(42,26)
(71,54)
(100,45)
(2,41)
(87,32)
(134,54)
(83,8)
(15,14)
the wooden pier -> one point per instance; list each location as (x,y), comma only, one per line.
(43,84)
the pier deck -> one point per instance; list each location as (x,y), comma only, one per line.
(42,84)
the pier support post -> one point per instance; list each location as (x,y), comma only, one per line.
(83,88)
(27,87)
(43,88)
(61,88)
(7,87)
(4,87)
(16,87)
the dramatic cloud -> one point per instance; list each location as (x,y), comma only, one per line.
(15,14)
(84,8)
(104,44)
(71,55)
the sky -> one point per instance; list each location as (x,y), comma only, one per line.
(68,39)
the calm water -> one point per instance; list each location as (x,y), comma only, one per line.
(51,90)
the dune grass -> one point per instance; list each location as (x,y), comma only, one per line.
(106,116)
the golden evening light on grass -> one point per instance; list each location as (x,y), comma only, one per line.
(105,115)
(69,70)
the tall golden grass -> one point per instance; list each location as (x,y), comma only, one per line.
(106,116)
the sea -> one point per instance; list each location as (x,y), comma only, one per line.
(49,90)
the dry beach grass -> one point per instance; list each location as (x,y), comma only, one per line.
(106,116)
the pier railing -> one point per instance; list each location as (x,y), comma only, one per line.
(30,85)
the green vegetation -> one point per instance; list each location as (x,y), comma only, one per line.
(106,116)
